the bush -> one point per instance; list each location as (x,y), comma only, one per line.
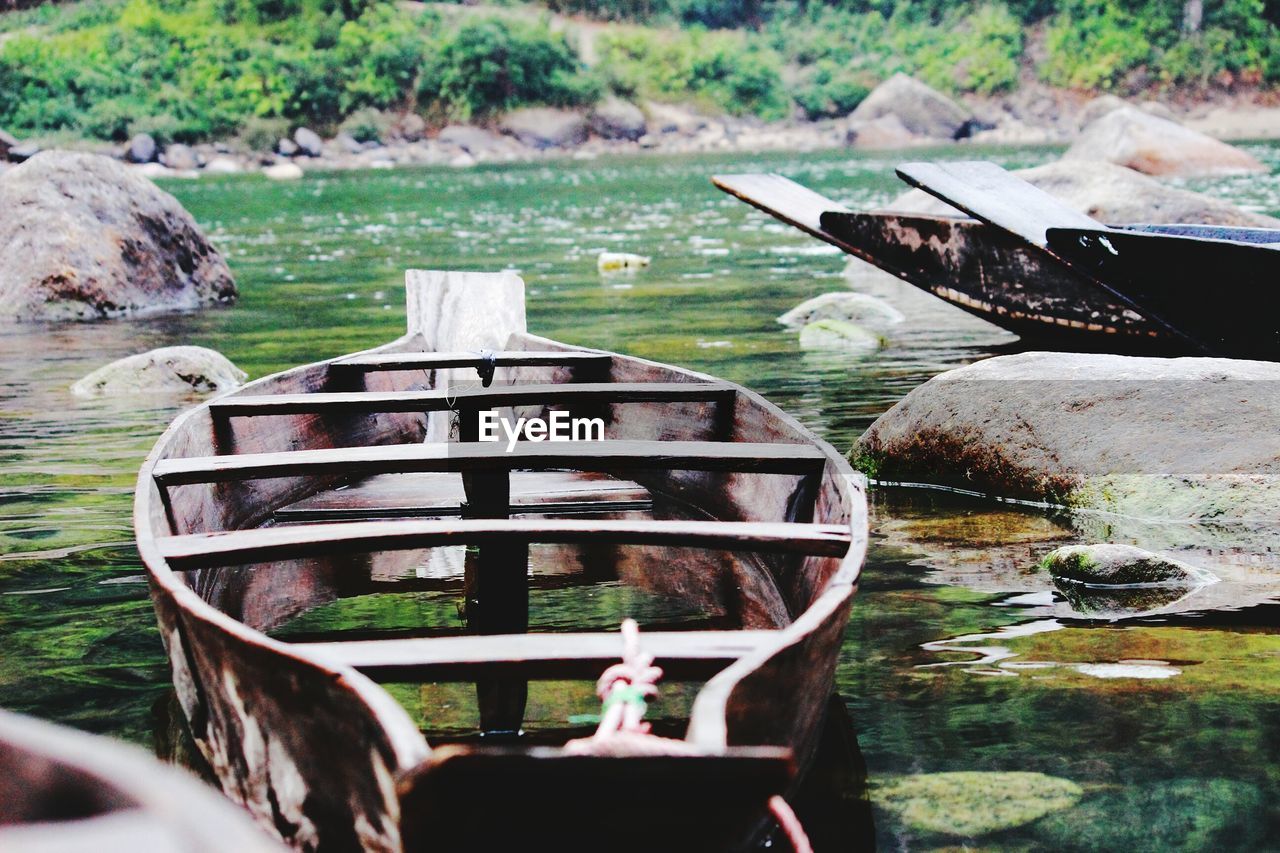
(1092,44)
(830,91)
(490,64)
(727,71)
(368,125)
(261,134)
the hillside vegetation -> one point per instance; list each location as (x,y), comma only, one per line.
(190,70)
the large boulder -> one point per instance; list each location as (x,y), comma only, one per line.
(923,111)
(1110,564)
(167,370)
(544,127)
(1156,146)
(614,118)
(82,237)
(1111,194)
(476,141)
(881,132)
(1185,439)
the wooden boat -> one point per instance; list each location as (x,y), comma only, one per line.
(343,479)
(63,790)
(1018,264)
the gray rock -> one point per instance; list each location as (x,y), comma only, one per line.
(1099,107)
(922,110)
(1184,439)
(614,118)
(286,147)
(142,149)
(1111,194)
(471,139)
(168,370)
(348,143)
(22,152)
(882,132)
(309,142)
(411,127)
(1157,146)
(843,305)
(84,237)
(544,127)
(180,157)
(1122,565)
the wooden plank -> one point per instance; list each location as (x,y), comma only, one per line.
(782,199)
(432,494)
(987,192)
(236,547)
(446,360)
(473,456)
(543,656)
(439,400)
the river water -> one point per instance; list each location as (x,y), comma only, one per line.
(1077,733)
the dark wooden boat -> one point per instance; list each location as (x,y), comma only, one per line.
(63,790)
(1001,265)
(315,486)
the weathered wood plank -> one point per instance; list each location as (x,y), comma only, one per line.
(544,656)
(234,547)
(782,199)
(987,192)
(493,456)
(371,362)
(439,400)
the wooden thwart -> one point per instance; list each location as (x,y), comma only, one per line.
(439,400)
(544,656)
(261,545)
(446,360)
(494,456)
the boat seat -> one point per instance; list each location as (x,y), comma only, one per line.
(439,400)
(435,494)
(681,654)
(388,361)
(601,456)
(262,545)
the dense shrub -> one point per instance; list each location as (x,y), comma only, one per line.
(726,71)
(491,64)
(830,90)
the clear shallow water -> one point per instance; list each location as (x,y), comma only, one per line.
(1167,726)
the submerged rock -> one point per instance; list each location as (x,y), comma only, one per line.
(1156,146)
(84,237)
(1123,565)
(970,803)
(843,305)
(840,335)
(1184,439)
(922,110)
(1111,194)
(167,370)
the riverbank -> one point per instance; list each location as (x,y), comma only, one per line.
(1034,116)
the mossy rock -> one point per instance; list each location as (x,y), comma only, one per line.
(839,335)
(973,803)
(1121,565)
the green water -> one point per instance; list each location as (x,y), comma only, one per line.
(1181,754)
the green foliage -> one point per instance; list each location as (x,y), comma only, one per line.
(830,90)
(367,125)
(1092,44)
(966,49)
(262,134)
(493,64)
(726,71)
